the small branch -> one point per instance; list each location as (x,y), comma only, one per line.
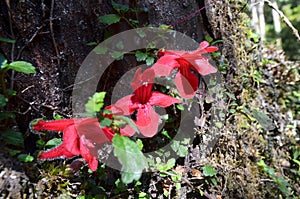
(28,42)
(52,33)
(284,18)
(13,44)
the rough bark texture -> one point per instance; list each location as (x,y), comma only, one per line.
(52,35)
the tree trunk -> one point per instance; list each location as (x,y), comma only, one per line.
(277,26)
(262,23)
(53,36)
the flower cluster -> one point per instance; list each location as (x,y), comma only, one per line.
(83,136)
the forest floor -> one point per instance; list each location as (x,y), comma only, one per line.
(256,157)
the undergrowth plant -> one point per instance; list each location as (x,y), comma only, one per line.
(13,140)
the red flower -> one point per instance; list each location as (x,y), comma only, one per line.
(141,103)
(186,62)
(81,136)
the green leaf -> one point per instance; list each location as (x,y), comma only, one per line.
(130,156)
(11,92)
(100,50)
(12,137)
(95,102)
(117,55)
(22,66)
(165,166)
(175,145)
(109,19)
(141,33)
(165,133)
(140,144)
(105,122)
(13,152)
(232,96)
(53,142)
(128,121)
(263,120)
(7,40)
(120,45)
(182,151)
(57,116)
(180,107)
(214,181)
(93,43)
(209,171)
(140,56)
(219,124)
(208,38)
(119,7)
(3,61)
(3,100)
(149,61)
(25,158)
(40,143)
(6,115)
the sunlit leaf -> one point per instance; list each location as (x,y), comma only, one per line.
(209,171)
(22,66)
(25,158)
(131,158)
(95,103)
(53,142)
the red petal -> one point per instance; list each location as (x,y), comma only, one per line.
(165,65)
(91,130)
(151,129)
(109,133)
(203,66)
(85,148)
(159,99)
(71,140)
(54,125)
(211,49)
(203,45)
(143,117)
(140,79)
(127,131)
(122,106)
(57,152)
(136,83)
(187,86)
(179,53)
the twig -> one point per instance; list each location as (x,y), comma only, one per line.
(29,41)
(52,33)
(13,44)
(285,19)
